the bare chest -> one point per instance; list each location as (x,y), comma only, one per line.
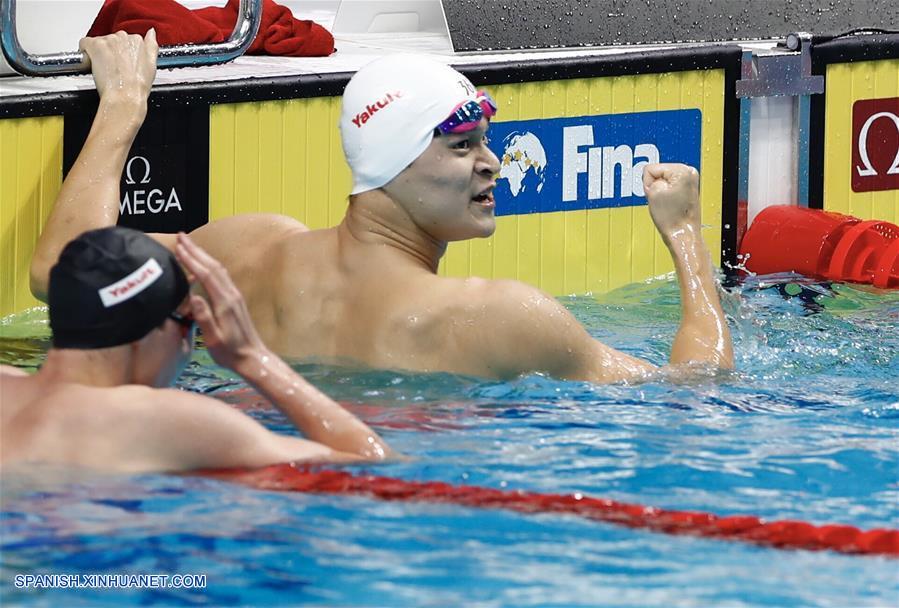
(380,325)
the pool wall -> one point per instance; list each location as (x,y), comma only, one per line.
(272,145)
(862,80)
(30,178)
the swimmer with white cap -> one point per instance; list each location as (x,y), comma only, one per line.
(367,290)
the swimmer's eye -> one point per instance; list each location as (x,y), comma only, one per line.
(468,142)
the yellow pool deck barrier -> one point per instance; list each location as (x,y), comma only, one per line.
(283,155)
(849,86)
(30,178)
(266,140)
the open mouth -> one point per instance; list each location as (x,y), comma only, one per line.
(485,198)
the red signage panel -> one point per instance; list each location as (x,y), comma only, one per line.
(875,145)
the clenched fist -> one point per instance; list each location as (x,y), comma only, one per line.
(673,194)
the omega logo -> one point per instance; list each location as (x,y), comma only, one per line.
(863,146)
(140,202)
(875,145)
(146,163)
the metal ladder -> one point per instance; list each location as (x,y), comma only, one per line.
(249,18)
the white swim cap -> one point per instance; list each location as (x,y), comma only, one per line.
(390,110)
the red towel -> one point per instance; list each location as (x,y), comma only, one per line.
(279,33)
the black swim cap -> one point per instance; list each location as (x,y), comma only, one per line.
(112,286)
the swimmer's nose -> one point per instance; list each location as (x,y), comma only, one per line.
(488,164)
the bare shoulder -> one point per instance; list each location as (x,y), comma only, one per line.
(144,414)
(169,401)
(222,236)
(132,401)
(244,244)
(12,372)
(16,388)
(242,235)
(509,298)
(250,223)
(130,428)
(517,328)
(510,328)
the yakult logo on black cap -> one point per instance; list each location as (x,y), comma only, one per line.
(372,108)
(133,284)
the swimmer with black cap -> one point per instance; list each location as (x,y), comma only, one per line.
(413,131)
(123,327)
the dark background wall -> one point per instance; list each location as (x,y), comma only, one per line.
(477,25)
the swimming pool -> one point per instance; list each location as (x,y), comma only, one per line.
(806,429)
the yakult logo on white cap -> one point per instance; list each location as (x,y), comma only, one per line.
(371,108)
(133,284)
(389,111)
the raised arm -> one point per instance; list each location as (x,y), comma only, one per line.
(703,336)
(232,341)
(524,330)
(124,67)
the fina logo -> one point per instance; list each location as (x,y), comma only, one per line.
(599,164)
(139,202)
(524,152)
(587,162)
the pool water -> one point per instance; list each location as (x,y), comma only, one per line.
(806,429)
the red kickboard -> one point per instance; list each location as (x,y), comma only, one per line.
(822,245)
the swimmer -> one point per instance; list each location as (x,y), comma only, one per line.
(367,290)
(123,322)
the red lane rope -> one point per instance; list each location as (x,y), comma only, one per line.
(746,528)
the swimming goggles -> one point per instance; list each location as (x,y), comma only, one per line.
(187,323)
(468,114)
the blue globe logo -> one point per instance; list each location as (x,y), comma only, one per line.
(522,154)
